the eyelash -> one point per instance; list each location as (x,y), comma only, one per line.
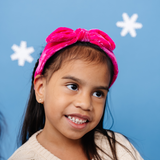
(72,85)
(102,94)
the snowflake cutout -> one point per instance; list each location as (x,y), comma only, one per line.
(129,25)
(22,53)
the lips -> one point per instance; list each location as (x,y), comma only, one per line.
(78,119)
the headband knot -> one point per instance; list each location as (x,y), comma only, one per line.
(82,35)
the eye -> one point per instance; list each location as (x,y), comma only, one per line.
(73,87)
(98,94)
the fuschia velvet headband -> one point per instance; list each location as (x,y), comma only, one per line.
(63,37)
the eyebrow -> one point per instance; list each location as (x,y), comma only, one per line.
(73,78)
(102,87)
(81,82)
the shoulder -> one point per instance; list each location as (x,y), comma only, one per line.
(32,150)
(26,151)
(124,148)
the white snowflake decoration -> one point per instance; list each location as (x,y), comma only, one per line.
(129,25)
(22,53)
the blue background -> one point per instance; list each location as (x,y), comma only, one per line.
(134,98)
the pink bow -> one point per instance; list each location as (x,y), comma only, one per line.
(63,37)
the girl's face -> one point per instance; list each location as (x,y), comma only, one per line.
(74,98)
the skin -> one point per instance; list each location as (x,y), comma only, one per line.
(78,87)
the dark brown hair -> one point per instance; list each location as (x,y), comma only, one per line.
(34,119)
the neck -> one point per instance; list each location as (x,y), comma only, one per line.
(56,139)
(60,146)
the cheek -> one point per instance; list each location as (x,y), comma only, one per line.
(56,101)
(101,112)
(98,113)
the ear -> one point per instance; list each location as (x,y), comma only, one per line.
(39,87)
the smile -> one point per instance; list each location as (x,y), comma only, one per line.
(76,120)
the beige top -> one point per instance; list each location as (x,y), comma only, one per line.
(33,150)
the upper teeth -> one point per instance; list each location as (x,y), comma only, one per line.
(76,120)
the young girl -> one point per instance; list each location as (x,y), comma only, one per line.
(70,83)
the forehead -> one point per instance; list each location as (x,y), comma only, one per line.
(89,72)
(68,55)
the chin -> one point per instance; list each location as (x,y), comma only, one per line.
(75,136)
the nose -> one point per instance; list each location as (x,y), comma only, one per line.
(83,101)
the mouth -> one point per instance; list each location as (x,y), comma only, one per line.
(77,119)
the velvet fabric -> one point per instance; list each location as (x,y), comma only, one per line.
(63,37)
